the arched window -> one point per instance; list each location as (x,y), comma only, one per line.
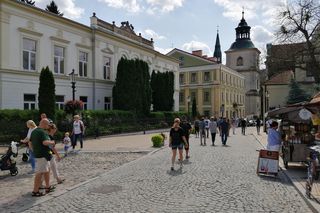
(240,61)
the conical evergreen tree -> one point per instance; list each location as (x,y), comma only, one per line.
(30,2)
(46,93)
(296,94)
(53,8)
(194,108)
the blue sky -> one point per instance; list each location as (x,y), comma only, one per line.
(184,24)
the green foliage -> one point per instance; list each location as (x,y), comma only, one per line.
(194,108)
(162,85)
(53,8)
(46,93)
(132,90)
(157,140)
(296,94)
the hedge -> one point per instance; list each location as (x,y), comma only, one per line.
(97,122)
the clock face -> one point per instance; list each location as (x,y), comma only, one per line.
(305,114)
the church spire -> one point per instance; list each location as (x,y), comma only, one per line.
(217,48)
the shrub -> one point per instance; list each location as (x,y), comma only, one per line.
(157,140)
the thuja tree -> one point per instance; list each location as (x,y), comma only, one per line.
(132,89)
(296,94)
(162,85)
(46,93)
(53,8)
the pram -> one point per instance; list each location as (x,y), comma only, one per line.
(8,160)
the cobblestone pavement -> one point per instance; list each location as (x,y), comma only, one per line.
(75,168)
(215,179)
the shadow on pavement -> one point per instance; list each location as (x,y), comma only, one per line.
(176,172)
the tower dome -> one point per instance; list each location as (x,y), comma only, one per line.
(242,36)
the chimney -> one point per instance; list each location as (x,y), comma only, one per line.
(197,52)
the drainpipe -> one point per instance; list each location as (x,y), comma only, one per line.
(93,20)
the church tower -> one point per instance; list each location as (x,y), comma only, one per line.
(243,57)
(217,49)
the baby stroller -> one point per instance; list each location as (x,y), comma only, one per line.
(8,160)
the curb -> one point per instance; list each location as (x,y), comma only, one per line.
(314,207)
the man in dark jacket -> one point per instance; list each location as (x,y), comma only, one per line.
(186,126)
(224,128)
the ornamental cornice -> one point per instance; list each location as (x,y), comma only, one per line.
(30,31)
(57,39)
(4,17)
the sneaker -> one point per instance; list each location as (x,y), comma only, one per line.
(187,157)
(31,172)
(172,169)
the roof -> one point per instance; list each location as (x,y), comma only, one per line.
(208,59)
(242,44)
(280,78)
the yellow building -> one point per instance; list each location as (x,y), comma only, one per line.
(217,89)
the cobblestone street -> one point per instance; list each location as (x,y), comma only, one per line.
(215,179)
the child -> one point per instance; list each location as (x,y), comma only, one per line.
(66,142)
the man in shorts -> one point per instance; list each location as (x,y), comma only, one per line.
(42,153)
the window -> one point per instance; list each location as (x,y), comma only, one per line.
(29,54)
(181,59)
(193,77)
(106,68)
(29,101)
(84,100)
(308,70)
(181,78)
(107,103)
(181,97)
(58,60)
(206,96)
(83,64)
(59,101)
(206,76)
(240,61)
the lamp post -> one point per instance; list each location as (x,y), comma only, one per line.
(188,100)
(73,83)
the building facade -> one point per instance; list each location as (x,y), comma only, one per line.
(217,89)
(243,57)
(31,38)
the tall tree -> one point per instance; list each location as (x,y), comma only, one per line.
(53,8)
(300,22)
(194,108)
(296,94)
(46,93)
(132,90)
(30,2)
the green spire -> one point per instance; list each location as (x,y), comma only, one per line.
(217,48)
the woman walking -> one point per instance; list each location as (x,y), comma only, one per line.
(77,132)
(176,141)
(32,126)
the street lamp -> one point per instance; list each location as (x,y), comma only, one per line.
(73,83)
(188,100)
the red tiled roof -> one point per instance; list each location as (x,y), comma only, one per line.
(281,78)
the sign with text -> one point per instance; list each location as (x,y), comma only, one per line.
(268,162)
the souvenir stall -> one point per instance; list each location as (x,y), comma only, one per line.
(297,131)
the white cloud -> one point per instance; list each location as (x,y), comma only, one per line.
(163,50)
(252,8)
(132,6)
(152,34)
(164,5)
(261,34)
(197,45)
(67,7)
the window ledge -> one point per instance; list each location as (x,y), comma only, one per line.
(53,38)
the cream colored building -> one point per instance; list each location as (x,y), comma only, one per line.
(31,38)
(218,90)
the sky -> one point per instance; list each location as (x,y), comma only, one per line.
(183,24)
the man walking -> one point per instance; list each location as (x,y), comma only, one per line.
(258,124)
(224,128)
(186,126)
(202,126)
(207,121)
(213,126)
(40,144)
(243,126)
